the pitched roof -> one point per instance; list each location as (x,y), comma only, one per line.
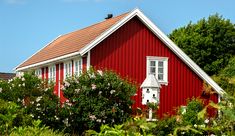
(71,42)
(6,76)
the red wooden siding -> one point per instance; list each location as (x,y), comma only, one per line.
(84,63)
(42,73)
(56,91)
(125,52)
(47,73)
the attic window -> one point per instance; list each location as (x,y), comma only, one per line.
(158,66)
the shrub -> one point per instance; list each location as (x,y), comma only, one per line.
(34,96)
(133,127)
(35,130)
(97,98)
(11,115)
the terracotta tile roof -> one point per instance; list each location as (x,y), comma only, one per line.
(6,76)
(72,42)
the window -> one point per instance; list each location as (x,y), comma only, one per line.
(78,67)
(52,72)
(67,69)
(158,67)
(38,72)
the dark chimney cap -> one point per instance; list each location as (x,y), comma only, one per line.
(109,16)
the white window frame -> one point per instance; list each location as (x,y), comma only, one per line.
(165,67)
(38,73)
(77,68)
(68,66)
(52,73)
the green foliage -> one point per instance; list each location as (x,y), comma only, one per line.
(210,42)
(165,126)
(11,115)
(133,127)
(193,108)
(96,98)
(35,130)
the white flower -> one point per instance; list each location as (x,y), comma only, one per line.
(103,121)
(19,85)
(77,90)
(23,84)
(182,133)
(23,79)
(32,115)
(18,100)
(92,75)
(38,99)
(0,90)
(92,117)
(56,118)
(100,72)
(66,84)
(100,92)
(38,116)
(93,86)
(195,125)
(46,89)
(98,120)
(206,121)
(38,104)
(112,91)
(32,102)
(66,122)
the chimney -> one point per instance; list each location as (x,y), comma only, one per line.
(109,16)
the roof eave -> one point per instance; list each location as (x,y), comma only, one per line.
(47,62)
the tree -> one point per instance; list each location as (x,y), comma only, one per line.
(209,42)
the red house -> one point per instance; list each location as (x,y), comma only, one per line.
(131,45)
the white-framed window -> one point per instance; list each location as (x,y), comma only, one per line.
(67,69)
(38,72)
(78,67)
(52,73)
(158,66)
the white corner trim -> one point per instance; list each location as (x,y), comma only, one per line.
(88,60)
(15,69)
(59,80)
(162,37)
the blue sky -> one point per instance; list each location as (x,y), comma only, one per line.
(27,25)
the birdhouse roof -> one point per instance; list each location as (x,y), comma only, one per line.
(150,81)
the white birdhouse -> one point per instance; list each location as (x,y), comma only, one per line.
(150,90)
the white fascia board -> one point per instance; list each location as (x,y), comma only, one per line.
(108,32)
(179,52)
(15,69)
(49,61)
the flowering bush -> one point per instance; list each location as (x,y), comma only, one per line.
(97,98)
(34,96)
